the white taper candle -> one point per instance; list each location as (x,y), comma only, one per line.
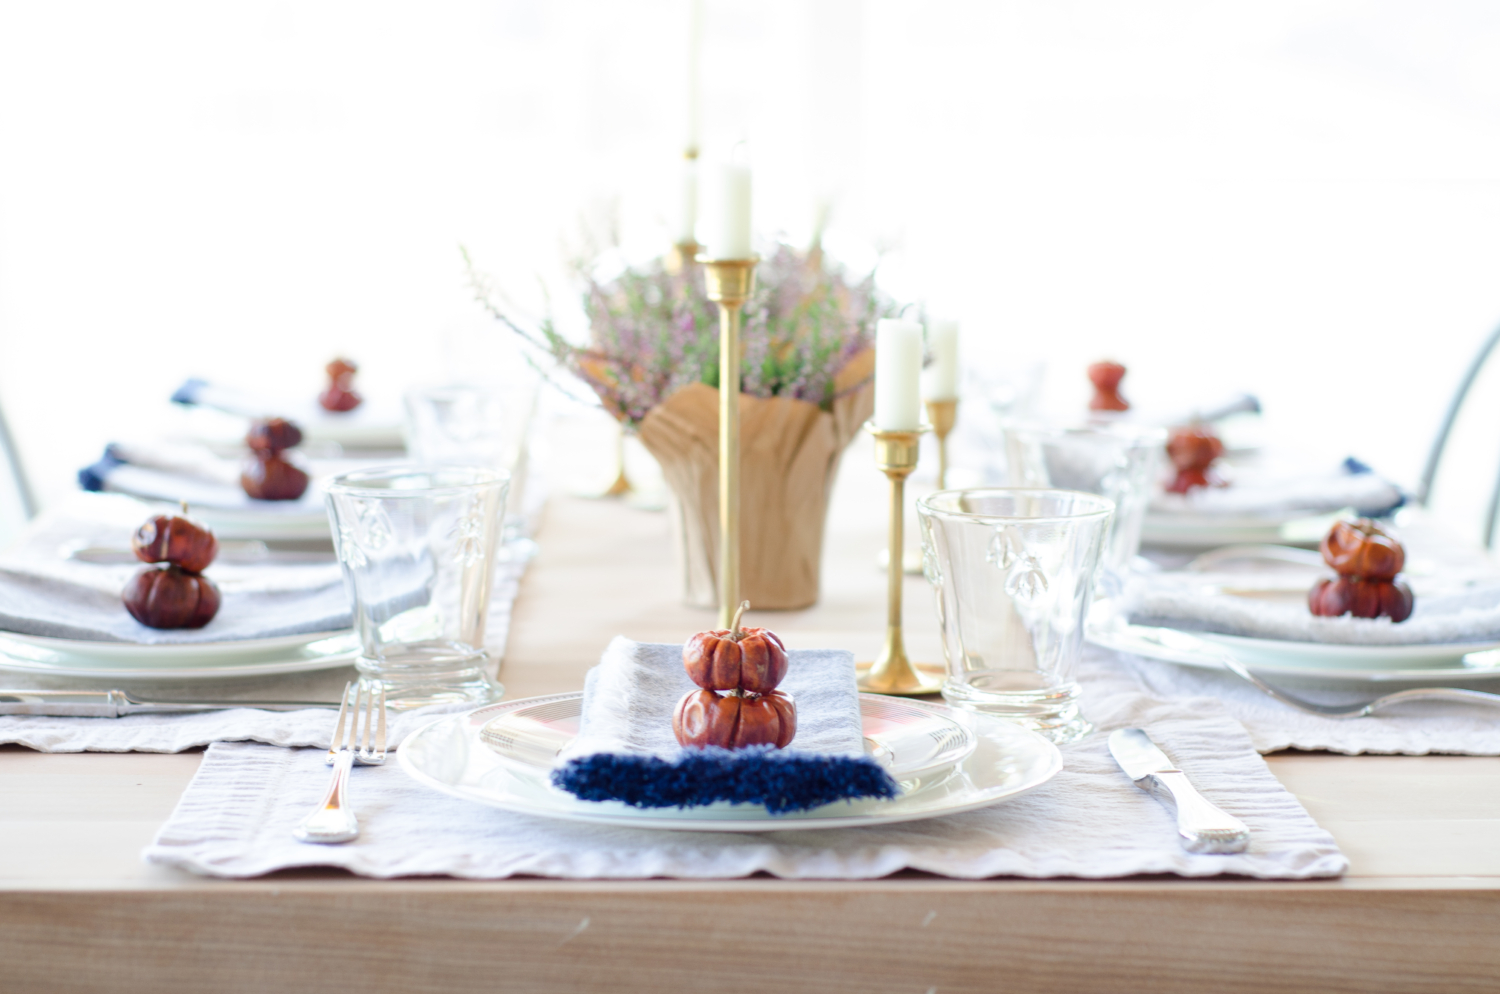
(726,214)
(940,378)
(898,368)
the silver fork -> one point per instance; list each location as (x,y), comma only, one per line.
(1150,641)
(1358,710)
(333,819)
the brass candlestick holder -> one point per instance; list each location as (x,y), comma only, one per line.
(943,414)
(893,673)
(729,283)
(681,256)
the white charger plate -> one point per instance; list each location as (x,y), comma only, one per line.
(244,657)
(451,755)
(908,738)
(1320,661)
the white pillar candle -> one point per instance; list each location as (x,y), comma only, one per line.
(940,377)
(898,368)
(687,218)
(726,212)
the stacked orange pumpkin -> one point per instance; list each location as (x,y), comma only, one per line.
(738,670)
(1366,558)
(174,594)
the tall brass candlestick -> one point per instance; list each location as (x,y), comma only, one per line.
(896,456)
(943,414)
(729,283)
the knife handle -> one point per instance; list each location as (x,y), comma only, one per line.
(1204,828)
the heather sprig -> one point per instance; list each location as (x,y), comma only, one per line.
(653,331)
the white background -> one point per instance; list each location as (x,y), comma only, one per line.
(1295,198)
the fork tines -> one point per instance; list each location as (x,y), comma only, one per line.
(365,702)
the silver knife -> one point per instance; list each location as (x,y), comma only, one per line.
(117,704)
(1204,828)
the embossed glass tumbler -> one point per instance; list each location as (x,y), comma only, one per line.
(1014,571)
(1115,460)
(418,547)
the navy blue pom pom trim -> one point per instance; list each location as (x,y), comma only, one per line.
(782,782)
(92,477)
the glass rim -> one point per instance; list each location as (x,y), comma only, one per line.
(349,484)
(1125,430)
(1103,505)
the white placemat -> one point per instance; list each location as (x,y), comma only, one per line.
(236,817)
(1414,729)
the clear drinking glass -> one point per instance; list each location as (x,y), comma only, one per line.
(1014,569)
(418,547)
(1115,460)
(464,425)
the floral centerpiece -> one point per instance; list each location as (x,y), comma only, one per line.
(652,357)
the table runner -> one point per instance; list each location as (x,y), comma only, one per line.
(235,819)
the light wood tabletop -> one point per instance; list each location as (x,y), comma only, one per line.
(1418,911)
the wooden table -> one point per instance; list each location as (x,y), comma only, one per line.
(1418,911)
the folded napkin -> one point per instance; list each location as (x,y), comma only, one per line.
(626,751)
(173,472)
(1090,821)
(1260,494)
(44,592)
(1198,602)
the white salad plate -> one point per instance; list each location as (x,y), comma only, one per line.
(457,756)
(908,738)
(1324,662)
(244,657)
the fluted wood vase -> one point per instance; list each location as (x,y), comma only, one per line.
(789,456)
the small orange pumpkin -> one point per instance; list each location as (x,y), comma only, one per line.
(1361,598)
(748,659)
(734,720)
(1363,549)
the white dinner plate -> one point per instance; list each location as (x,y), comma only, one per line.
(908,738)
(450,755)
(1210,531)
(1321,662)
(131,660)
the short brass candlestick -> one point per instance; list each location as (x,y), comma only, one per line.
(682,256)
(943,414)
(729,283)
(896,456)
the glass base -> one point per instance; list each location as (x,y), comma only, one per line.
(409,687)
(1052,713)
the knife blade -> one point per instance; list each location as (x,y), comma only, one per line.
(1203,827)
(118,703)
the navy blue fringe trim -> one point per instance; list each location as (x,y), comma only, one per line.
(187,394)
(782,782)
(92,477)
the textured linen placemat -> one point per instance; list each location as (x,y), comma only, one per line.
(236,817)
(176,732)
(1415,729)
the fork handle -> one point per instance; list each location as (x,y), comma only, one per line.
(1204,827)
(333,819)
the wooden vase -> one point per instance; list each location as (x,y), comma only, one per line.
(789,456)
